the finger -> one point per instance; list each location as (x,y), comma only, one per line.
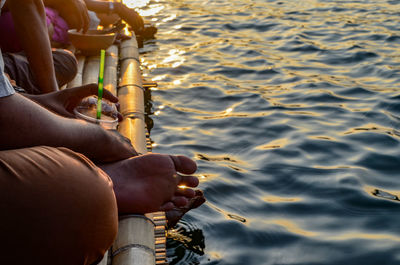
(121,36)
(82,13)
(76,94)
(120,117)
(109,96)
(184,164)
(85,20)
(90,90)
(84,91)
(79,18)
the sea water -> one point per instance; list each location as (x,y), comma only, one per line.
(292,111)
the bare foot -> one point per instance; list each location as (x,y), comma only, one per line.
(174,215)
(149,183)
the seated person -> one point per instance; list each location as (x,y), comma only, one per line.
(34,69)
(17,67)
(17,64)
(64,181)
(59,20)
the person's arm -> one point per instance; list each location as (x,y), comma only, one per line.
(127,14)
(24,123)
(64,102)
(74,12)
(30,25)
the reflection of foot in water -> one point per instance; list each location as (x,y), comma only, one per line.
(174,215)
(185,244)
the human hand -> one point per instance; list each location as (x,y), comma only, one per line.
(75,13)
(64,101)
(149,183)
(131,17)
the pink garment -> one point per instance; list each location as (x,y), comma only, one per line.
(60,34)
(9,41)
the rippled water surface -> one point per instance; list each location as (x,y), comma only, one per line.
(292,111)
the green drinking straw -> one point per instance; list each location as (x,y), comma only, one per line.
(101,76)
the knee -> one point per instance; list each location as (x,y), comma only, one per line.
(65,66)
(92,214)
(102,221)
(95,213)
(62,193)
(89,202)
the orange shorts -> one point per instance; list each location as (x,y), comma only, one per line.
(56,207)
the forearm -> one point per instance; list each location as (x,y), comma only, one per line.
(117,9)
(30,25)
(28,124)
(101,6)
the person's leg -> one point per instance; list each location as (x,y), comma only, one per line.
(16,65)
(65,66)
(56,207)
(149,183)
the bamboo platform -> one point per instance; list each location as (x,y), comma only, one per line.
(141,239)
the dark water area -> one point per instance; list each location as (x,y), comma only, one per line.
(292,111)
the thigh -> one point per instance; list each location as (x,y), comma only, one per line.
(57,207)
(16,65)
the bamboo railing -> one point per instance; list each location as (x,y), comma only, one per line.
(77,81)
(135,244)
(141,238)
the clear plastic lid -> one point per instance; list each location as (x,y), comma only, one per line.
(87,110)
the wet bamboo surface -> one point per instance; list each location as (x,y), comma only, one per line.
(77,81)
(141,239)
(135,243)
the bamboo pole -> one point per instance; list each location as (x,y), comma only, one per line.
(110,70)
(90,74)
(77,81)
(91,70)
(135,244)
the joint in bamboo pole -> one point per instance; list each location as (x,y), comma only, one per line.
(133,57)
(125,216)
(135,85)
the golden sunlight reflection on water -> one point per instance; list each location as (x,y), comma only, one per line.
(278,143)
(292,227)
(135,3)
(155,8)
(283,148)
(175,58)
(277,199)
(370,236)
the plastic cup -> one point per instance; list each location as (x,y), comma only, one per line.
(87,111)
